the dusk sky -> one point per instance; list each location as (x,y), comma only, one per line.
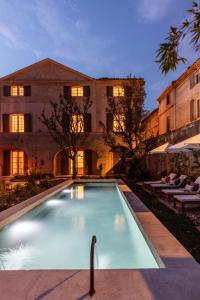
(100,38)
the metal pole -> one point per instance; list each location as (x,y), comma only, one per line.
(92,290)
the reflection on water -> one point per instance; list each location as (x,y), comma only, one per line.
(119,223)
(78,223)
(77,192)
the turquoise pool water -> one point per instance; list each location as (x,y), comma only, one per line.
(57,233)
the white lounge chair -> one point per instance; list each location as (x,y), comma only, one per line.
(186,199)
(170,185)
(187,190)
(165,179)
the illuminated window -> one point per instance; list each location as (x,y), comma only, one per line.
(79,163)
(77,91)
(118,123)
(17,90)
(17,162)
(118,91)
(17,123)
(77,123)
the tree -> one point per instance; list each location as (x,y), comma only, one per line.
(66,125)
(168,55)
(125,114)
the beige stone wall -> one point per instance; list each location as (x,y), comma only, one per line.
(179,108)
(151,125)
(47,81)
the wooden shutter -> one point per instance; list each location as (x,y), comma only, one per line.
(65,122)
(64,164)
(67,91)
(6,163)
(86,91)
(192,81)
(167,124)
(109,91)
(6,123)
(27,90)
(198,108)
(6,90)
(192,110)
(109,122)
(88,162)
(87,122)
(28,123)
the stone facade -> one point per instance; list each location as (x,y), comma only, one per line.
(47,79)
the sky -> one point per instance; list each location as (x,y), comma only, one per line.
(101,38)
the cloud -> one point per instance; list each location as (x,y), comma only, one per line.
(153,10)
(11,37)
(70,35)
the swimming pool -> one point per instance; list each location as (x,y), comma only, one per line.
(57,233)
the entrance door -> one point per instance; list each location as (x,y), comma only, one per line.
(79,163)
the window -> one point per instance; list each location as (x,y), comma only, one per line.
(118,123)
(77,91)
(77,123)
(17,162)
(79,163)
(168,99)
(118,91)
(17,123)
(17,90)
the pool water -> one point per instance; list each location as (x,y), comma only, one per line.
(57,233)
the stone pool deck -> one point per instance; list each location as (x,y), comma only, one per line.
(178,279)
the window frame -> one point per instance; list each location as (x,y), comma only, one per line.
(76,123)
(19,90)
(17,162)
(118,91)
(117,122)
(16,123)
(77,91)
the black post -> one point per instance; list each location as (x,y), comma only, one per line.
(92,290)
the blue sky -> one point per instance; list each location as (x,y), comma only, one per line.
(97,37)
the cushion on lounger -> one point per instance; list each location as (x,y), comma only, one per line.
(164,179)
(188,188)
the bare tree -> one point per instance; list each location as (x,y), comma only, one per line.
(126,113)
(66,125)
(168,55)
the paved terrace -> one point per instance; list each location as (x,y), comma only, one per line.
(179,279)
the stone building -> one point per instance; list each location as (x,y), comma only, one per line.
(25,144)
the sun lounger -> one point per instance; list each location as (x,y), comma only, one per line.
(187,190)
(186,199)
(160,186)
(163,180)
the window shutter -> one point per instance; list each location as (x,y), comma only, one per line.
(192,81)
(27,90)
(65,122)
(64,164)
(67,91)
(28,123)
(87,122)
(6,123)
(86,91)
(88,162)
(6,163)
(198,108)
(192,110)
(168,124)
(109,122)
(6,90)
(109,91)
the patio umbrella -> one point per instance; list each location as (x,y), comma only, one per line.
(163,149)
(186,145)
